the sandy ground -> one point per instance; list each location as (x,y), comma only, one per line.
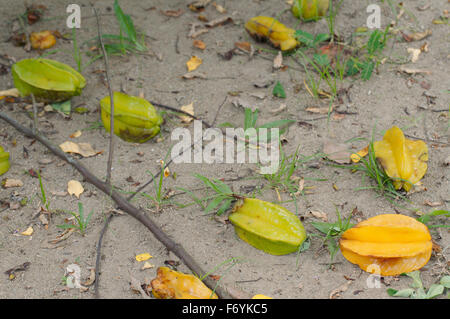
(388,98)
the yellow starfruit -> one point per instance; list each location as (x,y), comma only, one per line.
(171,284)
(267,226)
(48,80)
(266,28)
(309,10)
(135,119)
(4,161)
(402,159)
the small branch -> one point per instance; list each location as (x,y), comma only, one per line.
(111,96)
(35,119)
(97,260)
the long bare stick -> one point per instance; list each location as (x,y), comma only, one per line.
(122,204)
(111,97)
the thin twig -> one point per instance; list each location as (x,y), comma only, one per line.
(122,204)
(97,260)
(218,110)
(35,120)
(111,96)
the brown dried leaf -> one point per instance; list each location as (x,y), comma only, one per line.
(10,182)
(336,152)
(173,13)
(63,236)
(433,204)
(194,74)
(320,215)
(75,188)
(219,21)
(199,44)
(84,149)
(219,8)
(189,108)
(336,293)
(417,36)
(278,61)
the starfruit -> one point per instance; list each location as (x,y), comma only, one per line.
(309,10)
(387,244)
(171,284)
(48,80)
(268,227)
(135,119)
(4,161)
(403,160)
(267,28)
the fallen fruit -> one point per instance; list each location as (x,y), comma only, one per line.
(267,226)
(266,28)
(42,40)
(171,284)
(388,244)
(135,119)
(403,160)
(48,80)
(309,10)
(4,161)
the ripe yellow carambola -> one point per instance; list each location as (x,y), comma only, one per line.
(48,80)
(4,161)
(171,284)
(269,29)
(390,244)
(402,159)
(310,9)
(135,119)
(267,226)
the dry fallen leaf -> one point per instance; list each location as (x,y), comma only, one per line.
(147,265)
(172,13)
(244,46)
(218,21)
(279,109)
(432,204)
(189,108)
(75,134)
(90,281)
(413,71)
(336,152)
(11,92)
(414,54)
(193,75)
(75,188)
(417,36)
(84,149)
(143,257)
(193,63)
(63,236)
(356,157)
(319,110)
(337,292)
(28,232)
(199,44)
(278,61)
(10,182)
(219,8)
(320,215)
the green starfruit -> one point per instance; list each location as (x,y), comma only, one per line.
(267,226)
(4,161)
(135,119)
(48,80)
